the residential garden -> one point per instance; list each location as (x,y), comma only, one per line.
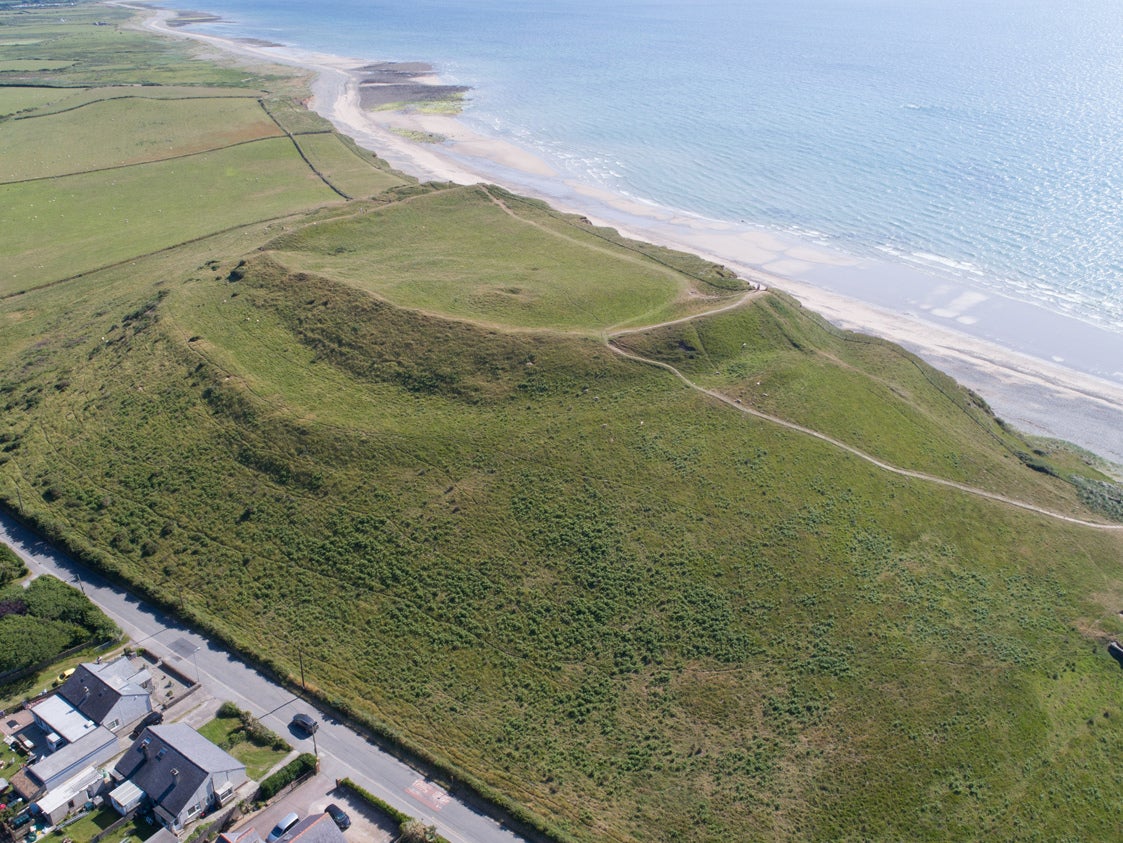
(239,733)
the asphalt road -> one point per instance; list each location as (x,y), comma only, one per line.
(343,752)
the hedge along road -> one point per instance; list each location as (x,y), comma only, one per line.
(343,752)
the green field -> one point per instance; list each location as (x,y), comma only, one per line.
(389,434)
(14,100)
(121,131)
(345,167)
(72,224)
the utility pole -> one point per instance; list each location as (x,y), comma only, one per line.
(300,655)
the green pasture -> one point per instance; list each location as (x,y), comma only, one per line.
(14,100)
(467,252)
(57,228)
(65,99)
(356,173)
(116,132)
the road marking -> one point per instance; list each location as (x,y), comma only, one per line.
(428,794)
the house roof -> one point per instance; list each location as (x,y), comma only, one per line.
(62,794)
(171,762)
(95,688)
(319,828)
(126,793)
(63,718)
(97,746)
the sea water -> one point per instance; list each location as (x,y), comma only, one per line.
(979,138)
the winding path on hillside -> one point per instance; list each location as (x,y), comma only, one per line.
(830,440)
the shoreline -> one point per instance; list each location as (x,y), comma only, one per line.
(1033,369)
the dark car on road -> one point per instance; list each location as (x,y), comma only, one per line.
(339,816)
(150,719)
(304,722)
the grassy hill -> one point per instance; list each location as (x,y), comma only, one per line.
(388,433)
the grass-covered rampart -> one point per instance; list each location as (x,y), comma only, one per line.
(388,435)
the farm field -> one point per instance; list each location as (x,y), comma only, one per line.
(72,224)
(390,434)
(14,100)
(125,130)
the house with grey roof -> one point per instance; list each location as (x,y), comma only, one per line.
(178,771)
(115,694)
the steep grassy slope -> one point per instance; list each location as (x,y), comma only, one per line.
(566,573)
(573,580)
(776,358)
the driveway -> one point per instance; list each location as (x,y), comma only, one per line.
(367,825)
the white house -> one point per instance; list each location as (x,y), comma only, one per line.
(60,721)
(115,694)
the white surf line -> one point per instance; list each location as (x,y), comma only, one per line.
(892,469)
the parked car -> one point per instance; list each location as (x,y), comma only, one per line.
(150,719)
(304,722)
(287,822)
(339,816)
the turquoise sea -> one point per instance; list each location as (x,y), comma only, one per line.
(975,138)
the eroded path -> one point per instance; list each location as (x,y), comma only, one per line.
(807,431)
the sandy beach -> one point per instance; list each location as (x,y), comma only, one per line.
(1041,371)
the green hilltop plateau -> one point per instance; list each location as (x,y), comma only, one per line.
(635,550)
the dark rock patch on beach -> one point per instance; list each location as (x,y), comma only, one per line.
(372,96)
(389,82)
(186,18)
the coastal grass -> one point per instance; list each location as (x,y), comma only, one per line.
(73,224)
(99,47)
(387,436)
(119,132)
(531,270)
(353,172)
(773,357)
(631,610)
